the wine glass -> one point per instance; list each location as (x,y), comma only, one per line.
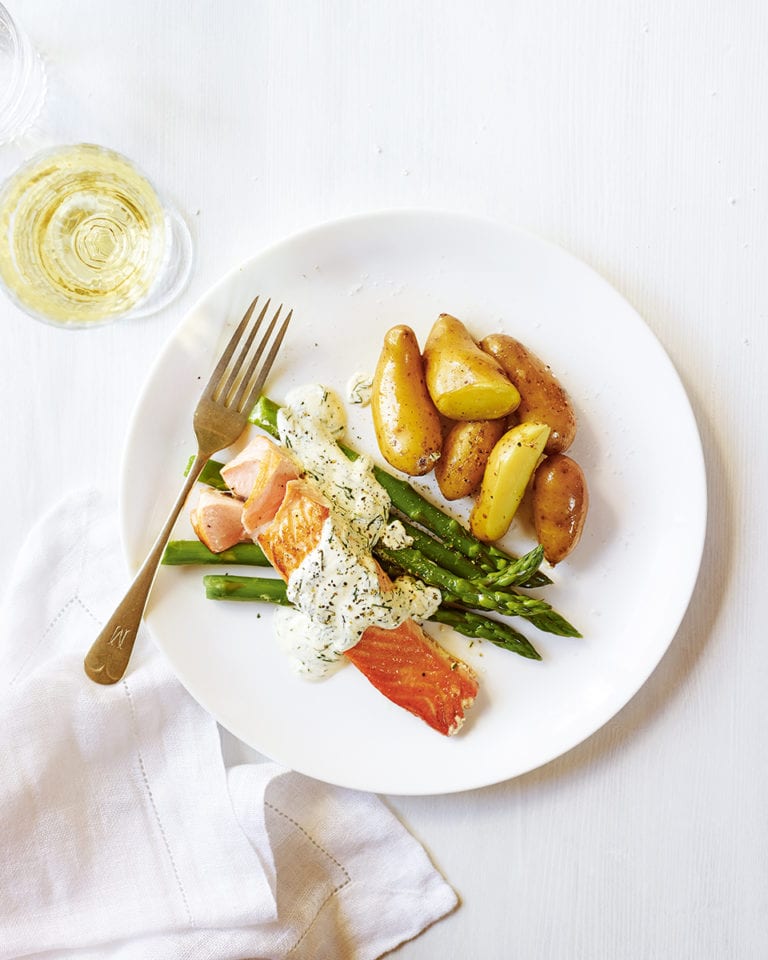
(85,237)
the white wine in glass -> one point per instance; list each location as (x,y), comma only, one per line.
(84,238)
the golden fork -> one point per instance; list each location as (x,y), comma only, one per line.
(220,417)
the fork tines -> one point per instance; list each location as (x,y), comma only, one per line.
(238,384)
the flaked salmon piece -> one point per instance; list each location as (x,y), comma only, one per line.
(404,664)
(216,519)
(258,475)
(241,471)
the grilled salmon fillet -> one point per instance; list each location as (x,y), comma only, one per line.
(412,670)
(404,664)
(295,528)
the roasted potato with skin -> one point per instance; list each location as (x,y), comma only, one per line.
(466,448)
(408,427)
(560,501)
(507,474)
(465,382)
(541,395)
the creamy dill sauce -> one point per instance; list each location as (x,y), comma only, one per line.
(360,388)
(349,486)
(336,590)
(322,404)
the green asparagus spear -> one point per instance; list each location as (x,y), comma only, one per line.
(466,622)
(473,595)
(475,625)
(438,553)
(410,502)
(179,552)
(523,573)
(264,415)
(210,474)
(265,589)
(518,574)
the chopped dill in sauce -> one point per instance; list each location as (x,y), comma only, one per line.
(339,590)
(360,388)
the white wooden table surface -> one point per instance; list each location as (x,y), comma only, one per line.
(634,134)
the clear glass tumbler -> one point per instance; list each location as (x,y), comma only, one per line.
(22,79)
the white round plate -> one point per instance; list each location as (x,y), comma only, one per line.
(626,587)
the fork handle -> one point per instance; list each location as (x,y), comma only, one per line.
(107,660)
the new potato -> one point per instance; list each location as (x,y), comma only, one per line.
(507,474)
(466,448)
(407,425)
(465,382)
(560,501)
(541,395)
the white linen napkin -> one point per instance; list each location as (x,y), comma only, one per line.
(123,834)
